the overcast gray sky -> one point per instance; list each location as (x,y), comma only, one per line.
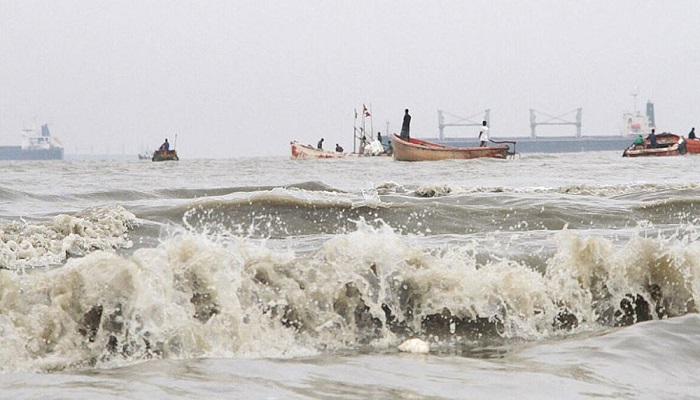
(237,78)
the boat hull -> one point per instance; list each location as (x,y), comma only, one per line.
(557,144)
(19,153)
(421,150)
(657,152)
(692,146)
(165,155)
(303,151)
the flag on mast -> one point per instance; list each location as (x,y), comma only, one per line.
(366,111)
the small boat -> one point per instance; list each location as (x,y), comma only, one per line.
(165,155)
(363,145)
(421,150)
(667,144)
(307,151)
(692,146)
(304,151)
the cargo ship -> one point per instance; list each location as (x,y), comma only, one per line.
(38,145)
(633,124)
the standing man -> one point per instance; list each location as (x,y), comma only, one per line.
(652,139)
(320,144)
(484,134)
(406,126)
(691,134)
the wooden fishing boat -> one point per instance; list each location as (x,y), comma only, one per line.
(692,146)
(307,151)
(421,150)
(165,155)
(303,151)
(667,144)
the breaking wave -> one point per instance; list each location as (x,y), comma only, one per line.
(230,296)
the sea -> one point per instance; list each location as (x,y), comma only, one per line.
(544,276)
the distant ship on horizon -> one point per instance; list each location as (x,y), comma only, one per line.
(38,145)
(634,123)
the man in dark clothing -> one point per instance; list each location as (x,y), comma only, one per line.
(405,127)
(652,139)
(338,148)
(691,135)
(379,136)
(165,146)
(320,144)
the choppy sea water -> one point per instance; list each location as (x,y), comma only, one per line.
(546,276)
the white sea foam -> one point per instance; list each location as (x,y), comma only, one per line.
(33,244)
(415,346)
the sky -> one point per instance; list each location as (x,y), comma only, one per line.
(236,78)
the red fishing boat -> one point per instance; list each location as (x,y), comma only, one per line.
(692,146)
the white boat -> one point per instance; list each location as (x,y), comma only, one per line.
(307,151)
(304,151)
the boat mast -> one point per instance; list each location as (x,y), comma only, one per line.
(364,114)
(361,132)
(354,133)
(634,93)
(371,123)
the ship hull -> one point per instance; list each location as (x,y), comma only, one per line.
(550,145)
(18,153)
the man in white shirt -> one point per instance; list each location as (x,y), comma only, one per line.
(484,135)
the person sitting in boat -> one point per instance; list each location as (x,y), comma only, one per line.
(652,139)
(639,141)
(165,146)
(691,134)
(320,144)
(484,135)
(338,148)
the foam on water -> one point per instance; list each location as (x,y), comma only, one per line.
(227,296)
(34,244)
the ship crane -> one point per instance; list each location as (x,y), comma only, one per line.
(460,121)
(558,120)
